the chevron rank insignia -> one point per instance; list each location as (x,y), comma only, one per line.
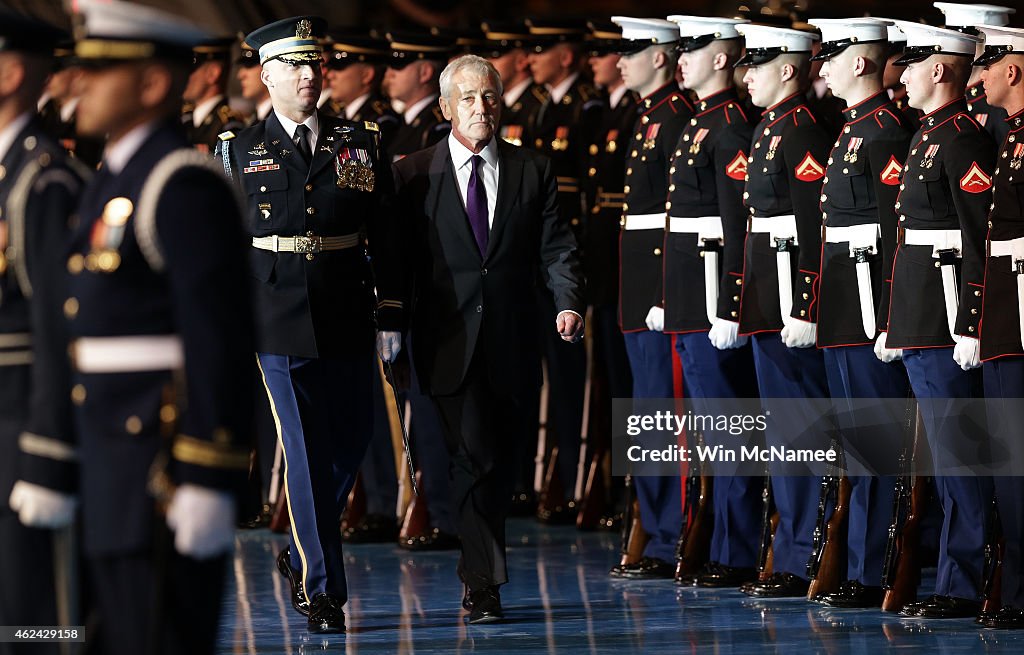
(737,168)
(809,170)
(975,180)
(890,175)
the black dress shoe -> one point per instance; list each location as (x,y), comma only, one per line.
(326,615)
(649,568)
(373,529)
(942,607)
(298,595)
(718,576)
(1008,618)
(852,593)
(433,540)
(484,605)
(778,585)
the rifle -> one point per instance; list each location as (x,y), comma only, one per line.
(901,568)
(825,567)
(591,492)
(694,545)
(634,538)
(769,521)
(995,550)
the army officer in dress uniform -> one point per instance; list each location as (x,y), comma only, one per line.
(311,183)
(355,67)
(161,343)
(205,95)
(507,44)
(862,177)
(1002,337)
(39,186)
(411,79)
(936,293)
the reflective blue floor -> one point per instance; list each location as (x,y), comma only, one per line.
(559,600)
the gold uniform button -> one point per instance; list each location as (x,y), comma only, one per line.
(575,221)
(133,425)
(902,187)
(739,281)
(633,154)
(689,162)
(701,254)
(671,188)
(767,131)
(970,329)
(846,171)
(735,298)
(71,307)
(76,263)
(645,120)
(937,264)
(593,149)
(803,312)
(625,189)
(639,136)
(678,152)
(629,171)
(977,293)
(846,130)
(824,197)
(263,189)
(897,205)
(622,222)
(733,314)
(309,187)
(920,177)
(757,145)
(746,195)
(806,297)
(78,394)
(807,279)
(668,205)
(592,172)
(657,252)
(168,413)
(311,211)
(830,160)
(825,181)
(672,171)
(924,138)
(693,121)
(625,206)
(974,311)
(538,143)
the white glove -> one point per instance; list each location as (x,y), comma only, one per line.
(40,507)
(389,344)
(884,354)
(203,521)
(656,319)
(725,335)
(798,334)
(967,353)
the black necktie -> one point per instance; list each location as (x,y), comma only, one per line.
(301,141)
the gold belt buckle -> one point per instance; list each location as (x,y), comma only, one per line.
(308,244)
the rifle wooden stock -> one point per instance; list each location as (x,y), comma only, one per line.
(830,561)
(995,550)
(416,522)
(768,567)
(552,494)
(355,508)
(594,501)
(695,542)
(769,521)
(634,538)
(901,573)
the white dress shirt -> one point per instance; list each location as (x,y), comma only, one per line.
(615,97)
(413,110)
(312,123)
(463,165)
(514,93)
(559,90)
(203,109)
(264,108)
(118,154)
(354,106)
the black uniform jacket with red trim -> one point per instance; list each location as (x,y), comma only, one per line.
(947,185)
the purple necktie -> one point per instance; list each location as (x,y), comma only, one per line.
(476,205)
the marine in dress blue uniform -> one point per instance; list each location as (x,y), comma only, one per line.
(703,261)
(778,299)
(648,65)
(936,293)
(39,185)
(309,189)
(161,345)
(1002,348)
(862,177)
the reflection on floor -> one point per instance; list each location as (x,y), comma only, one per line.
(560,600)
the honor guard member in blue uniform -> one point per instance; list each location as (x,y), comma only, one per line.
(648,66)
(417,60)
(778,299)
(968,18)
(58,112)
(355,68)
(207,112)
(253,88)
(937,285)
(862,178)
(39,186)
(507,52)
(311,183)
(703,261)
(161,343)
(1002,335)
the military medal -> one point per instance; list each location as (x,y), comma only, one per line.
(697,138)
(354,169)
(107,235)
(610,145)
(512,134)
(1018,155)
(929,156)
(852,148)
(561,141)
(772,147)
(650,140)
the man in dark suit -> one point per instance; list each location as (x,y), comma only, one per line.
(483,219)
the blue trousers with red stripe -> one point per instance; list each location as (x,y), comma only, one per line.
(324,409)
(713,373)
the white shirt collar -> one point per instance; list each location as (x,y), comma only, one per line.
(615,97)
(325,95)
(11,132)
(67,110)
(263,109)
(513,94)
(558,92)
(117,155)
(353,107)
(413,110)
(43,99)
(313,123)
(461,154)
(203,109)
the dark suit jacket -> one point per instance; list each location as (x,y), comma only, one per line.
(463,301)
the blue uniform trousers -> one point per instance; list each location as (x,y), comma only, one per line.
(869,435)
(660,498)
(324,412)
(786,376)
(714,373)
(965,500)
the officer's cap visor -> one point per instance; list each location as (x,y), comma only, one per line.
(757,56)
(694,43)
(994,53)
